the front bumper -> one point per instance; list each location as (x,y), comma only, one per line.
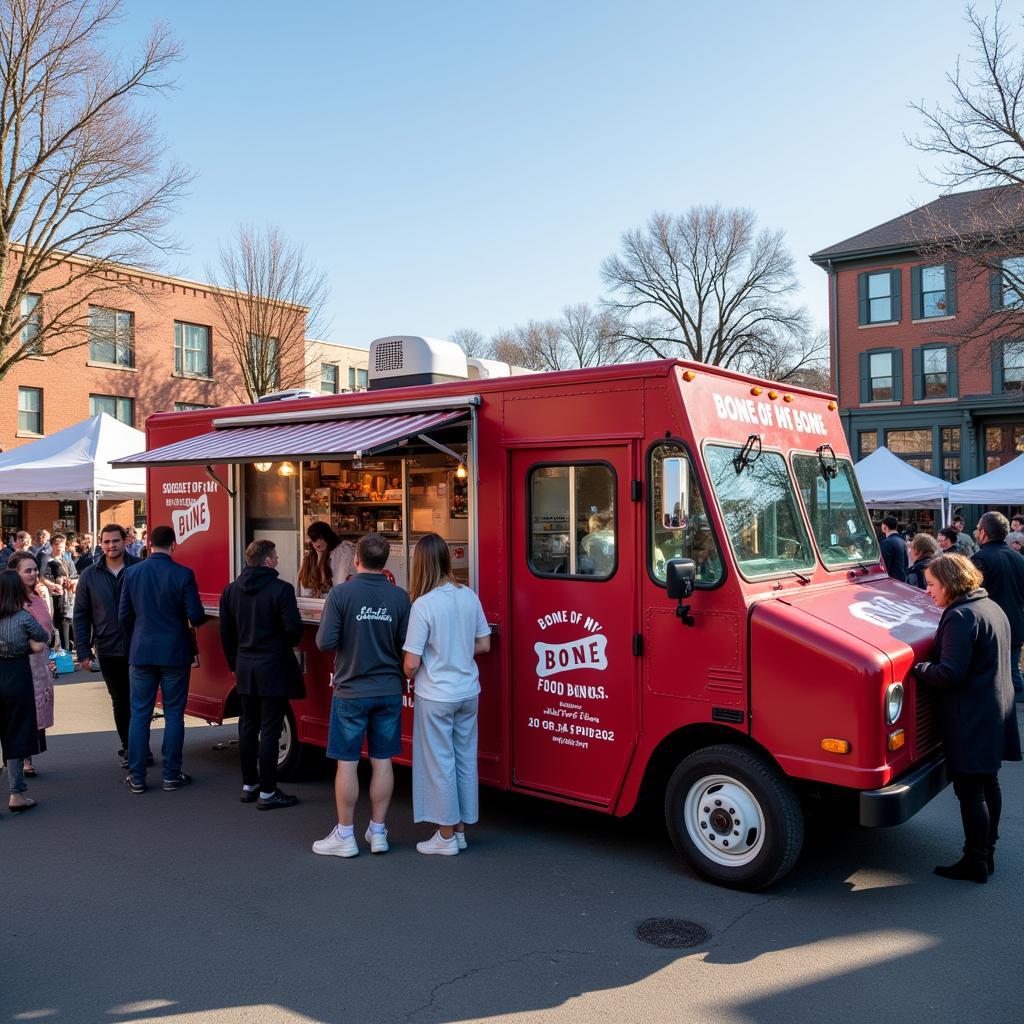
(902,799)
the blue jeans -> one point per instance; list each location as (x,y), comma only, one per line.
(172,682)
(16,771)
(1015,671)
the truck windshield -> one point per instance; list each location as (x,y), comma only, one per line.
(762,518)
(836,511)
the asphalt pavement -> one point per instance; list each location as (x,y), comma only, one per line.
(192,907)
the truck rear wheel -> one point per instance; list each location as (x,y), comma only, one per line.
(734,817)
(295,760)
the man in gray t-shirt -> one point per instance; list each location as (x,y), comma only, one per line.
(364,623)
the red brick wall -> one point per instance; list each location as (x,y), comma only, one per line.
(972,294)
(67,380)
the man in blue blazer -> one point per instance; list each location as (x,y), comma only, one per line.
(159,601)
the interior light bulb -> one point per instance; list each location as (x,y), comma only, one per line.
(461,473)
(286,469)
(262,467)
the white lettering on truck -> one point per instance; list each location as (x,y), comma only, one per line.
(746,410)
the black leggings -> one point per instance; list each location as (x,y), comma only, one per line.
(981,804)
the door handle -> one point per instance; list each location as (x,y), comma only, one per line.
(495,628)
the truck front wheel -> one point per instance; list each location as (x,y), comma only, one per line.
(734,817)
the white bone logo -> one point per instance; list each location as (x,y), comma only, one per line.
(884,612)
(587,652)
(194,519)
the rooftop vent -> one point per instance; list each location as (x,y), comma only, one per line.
(405,360)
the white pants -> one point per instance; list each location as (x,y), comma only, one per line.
(444,778)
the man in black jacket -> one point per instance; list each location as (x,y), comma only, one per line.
(1003,569)
(894,549)
(259,627)
(98,626)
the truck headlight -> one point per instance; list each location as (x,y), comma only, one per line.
(893,702)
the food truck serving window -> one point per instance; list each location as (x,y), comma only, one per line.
(762,518)
(572,521)
(680,527)
(836,511)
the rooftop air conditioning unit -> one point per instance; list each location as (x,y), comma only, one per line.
(283,396)
(405,360)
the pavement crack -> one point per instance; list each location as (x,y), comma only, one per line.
(473,971)
(739,917)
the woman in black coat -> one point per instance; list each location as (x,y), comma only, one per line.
(979,726)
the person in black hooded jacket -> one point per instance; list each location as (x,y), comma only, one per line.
(922,550)
(259,627)
(971,673)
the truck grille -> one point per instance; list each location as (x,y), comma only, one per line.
(926,720)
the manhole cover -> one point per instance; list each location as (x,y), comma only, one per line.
(672,933)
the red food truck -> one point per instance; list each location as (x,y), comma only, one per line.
(683,582)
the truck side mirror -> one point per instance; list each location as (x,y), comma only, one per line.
(680,575)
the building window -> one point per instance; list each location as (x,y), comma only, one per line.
(329,378)
(913,446)
(1003,444)
(867,442)
(189,406)
(111,336)
(1013,365)
(139,513)
(11,517)
(936,376)
(1012,280)
(933,291)
(30,410)
(32,311)
(191,350)
(122,409)
(878,297)
(951,454)
(881,389)
(356,379)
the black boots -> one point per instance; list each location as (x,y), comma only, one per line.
(967,869)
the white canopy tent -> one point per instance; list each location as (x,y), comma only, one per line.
(74,464)
(1002,486)
(886,481)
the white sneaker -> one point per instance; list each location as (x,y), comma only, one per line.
(333,845)
(438,844)
(378,841)
(460,838)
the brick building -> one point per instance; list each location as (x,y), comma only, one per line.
(152,344)
(903,376)
(333,368)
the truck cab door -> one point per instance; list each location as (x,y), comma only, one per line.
(574,672)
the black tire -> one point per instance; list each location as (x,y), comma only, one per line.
(745,797)
(295,760)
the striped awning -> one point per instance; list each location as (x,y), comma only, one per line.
(293,441)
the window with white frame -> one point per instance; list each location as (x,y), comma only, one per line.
(933,291)
(881,389)
(329,374)
(30,410)
(111,336)
(191,349)
(356,379)
(31,310)
(120,408)
(935,367)
(880,297)
(1013,365)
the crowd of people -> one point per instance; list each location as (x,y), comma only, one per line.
(135,619)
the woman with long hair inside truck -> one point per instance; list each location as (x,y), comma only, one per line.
(328,560)
(447,629)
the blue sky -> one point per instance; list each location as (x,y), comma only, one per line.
(471,164)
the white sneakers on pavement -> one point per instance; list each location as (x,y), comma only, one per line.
(439,845)
(378,841)
(332,845)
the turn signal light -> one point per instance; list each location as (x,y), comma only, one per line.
(897,739)
(773,395)
(689,375)
(787,398)
(831,406)
(834,746)
(755,390)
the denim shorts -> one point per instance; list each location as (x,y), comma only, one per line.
(378,720)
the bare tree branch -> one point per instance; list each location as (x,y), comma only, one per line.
(269,298)
(707,285)
(472,342)
(85,192)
